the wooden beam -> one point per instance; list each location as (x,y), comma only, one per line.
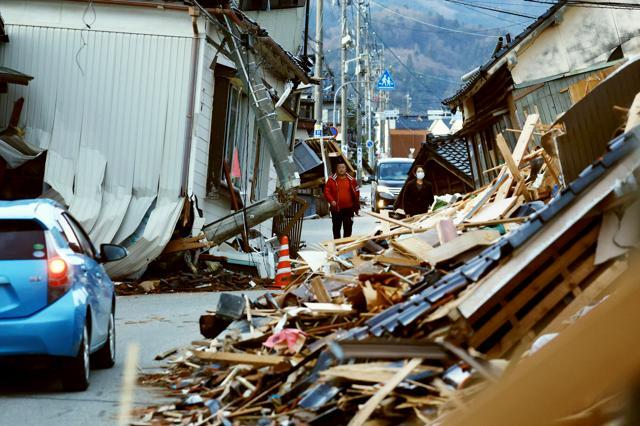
(189,243)
(320,291)
(492,222)
(16,112)
(369,407)
(412,246)
(397,261)
(544,307)
(487,193)
(241,358)
(519,151)
(508,158)
(394,221)
(234,205)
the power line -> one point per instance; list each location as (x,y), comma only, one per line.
(453,30)
(411,72)
(501,18)
(493,9)
(591,4)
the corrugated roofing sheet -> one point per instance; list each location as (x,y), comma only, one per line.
(110,107)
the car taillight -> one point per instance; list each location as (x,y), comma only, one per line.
(58,274)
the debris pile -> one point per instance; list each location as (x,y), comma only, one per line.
(407,324)
(186,282)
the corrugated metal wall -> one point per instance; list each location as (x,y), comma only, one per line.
(552,98)
(110,107)
(591,123)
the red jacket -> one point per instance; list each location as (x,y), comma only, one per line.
(331,191)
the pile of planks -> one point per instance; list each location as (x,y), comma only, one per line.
(411,323)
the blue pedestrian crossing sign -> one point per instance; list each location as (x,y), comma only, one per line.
(386,82)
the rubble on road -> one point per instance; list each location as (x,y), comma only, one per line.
(411,323)
(186,282)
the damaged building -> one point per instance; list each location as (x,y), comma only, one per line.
(546,69)
(138,106)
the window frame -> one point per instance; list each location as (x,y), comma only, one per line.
(82,238)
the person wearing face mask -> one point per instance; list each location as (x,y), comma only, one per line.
(417,196)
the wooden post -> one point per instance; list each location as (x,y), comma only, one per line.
(15,114)
(235,205)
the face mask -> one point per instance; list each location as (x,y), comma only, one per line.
(420,175)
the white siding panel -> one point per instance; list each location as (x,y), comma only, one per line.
(285,26)
(584,37)
(202,125)
(110,107)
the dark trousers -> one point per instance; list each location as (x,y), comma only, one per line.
(342,218)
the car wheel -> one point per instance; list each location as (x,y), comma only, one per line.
(105,357)
(76,372)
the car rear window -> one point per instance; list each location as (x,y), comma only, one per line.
(21,240)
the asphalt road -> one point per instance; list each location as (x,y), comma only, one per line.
(32,396)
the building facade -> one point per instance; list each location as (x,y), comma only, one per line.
(138,112)
(546,69)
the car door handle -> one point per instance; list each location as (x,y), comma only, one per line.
(83,268)
(98,275)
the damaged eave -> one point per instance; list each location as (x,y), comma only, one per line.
(279,61)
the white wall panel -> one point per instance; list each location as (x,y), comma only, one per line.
(111,108)
(582,38)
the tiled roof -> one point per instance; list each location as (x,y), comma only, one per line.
(453,151)
(471,82)
(403,314)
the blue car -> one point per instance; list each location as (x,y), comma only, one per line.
(55,297)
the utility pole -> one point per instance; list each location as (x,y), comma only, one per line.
(343,76)
(368,80)
(384,148)
(318,70)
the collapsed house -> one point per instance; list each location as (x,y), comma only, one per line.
(141,108)
(546,69)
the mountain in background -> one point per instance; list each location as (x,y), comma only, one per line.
(427,62)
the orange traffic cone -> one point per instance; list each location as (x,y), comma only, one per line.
(283,271)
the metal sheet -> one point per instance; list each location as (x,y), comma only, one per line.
(590,123)
(112,103)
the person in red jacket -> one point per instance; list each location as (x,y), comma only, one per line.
(343,194)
